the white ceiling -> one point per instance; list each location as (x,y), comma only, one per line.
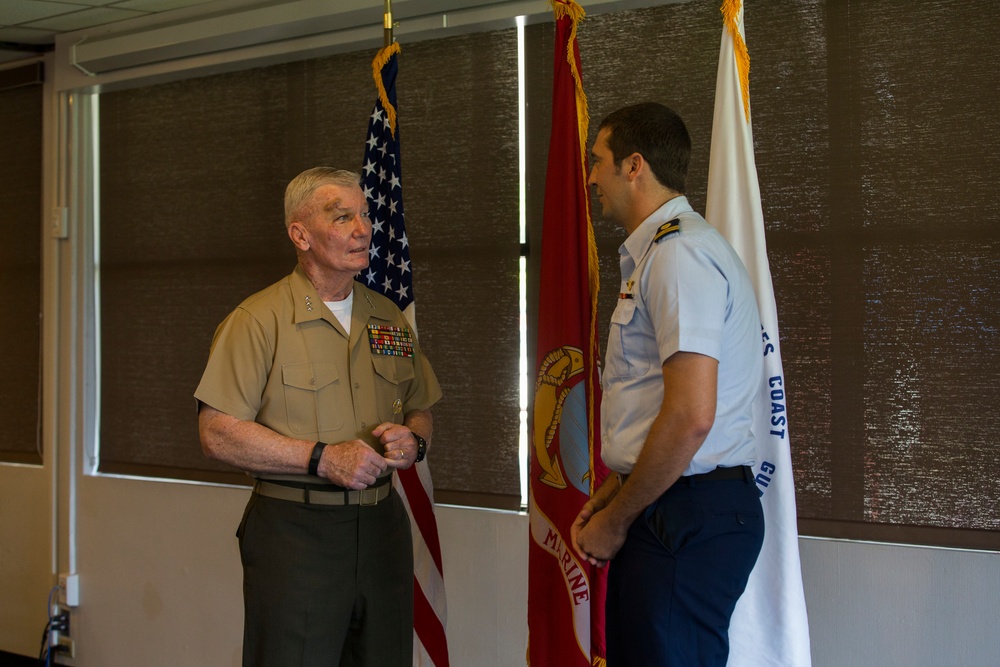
(27,26)
(30,27)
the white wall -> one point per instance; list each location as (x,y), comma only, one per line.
(160,583)
(162,580)
(879,604)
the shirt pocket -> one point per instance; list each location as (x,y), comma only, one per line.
(626,342)
(311,393)
(393,376)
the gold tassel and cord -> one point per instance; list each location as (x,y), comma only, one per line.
(381,58)
(730,18)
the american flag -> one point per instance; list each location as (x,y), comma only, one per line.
(389,270)
(391,273)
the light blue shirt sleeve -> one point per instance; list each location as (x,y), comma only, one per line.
(686,298)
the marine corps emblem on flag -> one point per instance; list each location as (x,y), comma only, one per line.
(555,393)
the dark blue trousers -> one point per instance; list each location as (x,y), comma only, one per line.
(674,584)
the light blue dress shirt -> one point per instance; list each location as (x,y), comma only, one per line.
(687,292)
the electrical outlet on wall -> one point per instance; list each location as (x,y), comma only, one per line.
(69,589)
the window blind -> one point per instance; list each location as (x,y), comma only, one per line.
(192,179)
(20,270)
(876,144)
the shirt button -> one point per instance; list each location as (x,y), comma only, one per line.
(357,385)
(364,425)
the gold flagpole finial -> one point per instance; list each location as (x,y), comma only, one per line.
(387,22)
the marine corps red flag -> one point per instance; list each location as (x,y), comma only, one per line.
(565,593)
(389,271)
(769,626)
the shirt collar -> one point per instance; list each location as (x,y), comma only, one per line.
(309,306)
(366,305)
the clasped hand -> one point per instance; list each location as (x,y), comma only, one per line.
(596,535)
(355,465)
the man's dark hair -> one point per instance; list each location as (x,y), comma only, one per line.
(655,132)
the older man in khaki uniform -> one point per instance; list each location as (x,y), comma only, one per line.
(316,386)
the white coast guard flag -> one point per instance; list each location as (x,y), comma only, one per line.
(769,627)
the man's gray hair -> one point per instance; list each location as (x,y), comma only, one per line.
(299,192)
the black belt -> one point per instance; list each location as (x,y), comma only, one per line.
(738,472)
(324,494)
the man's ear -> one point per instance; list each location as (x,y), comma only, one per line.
(633,165)
(299,235)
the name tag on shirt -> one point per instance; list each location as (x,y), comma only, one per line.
(391,341)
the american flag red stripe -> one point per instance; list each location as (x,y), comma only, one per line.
(391,273)
(430,614)
(431,631)
(422,513)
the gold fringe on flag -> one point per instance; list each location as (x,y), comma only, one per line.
(570,9)
(730,14)
(381,58)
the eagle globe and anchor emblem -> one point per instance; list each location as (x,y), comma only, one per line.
(561,405)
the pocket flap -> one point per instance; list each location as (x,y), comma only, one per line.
(624,311)
(310,376)
(393,369)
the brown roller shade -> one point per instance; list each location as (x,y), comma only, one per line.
(192,179)
(20,271)
(877,146)
(877,143)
